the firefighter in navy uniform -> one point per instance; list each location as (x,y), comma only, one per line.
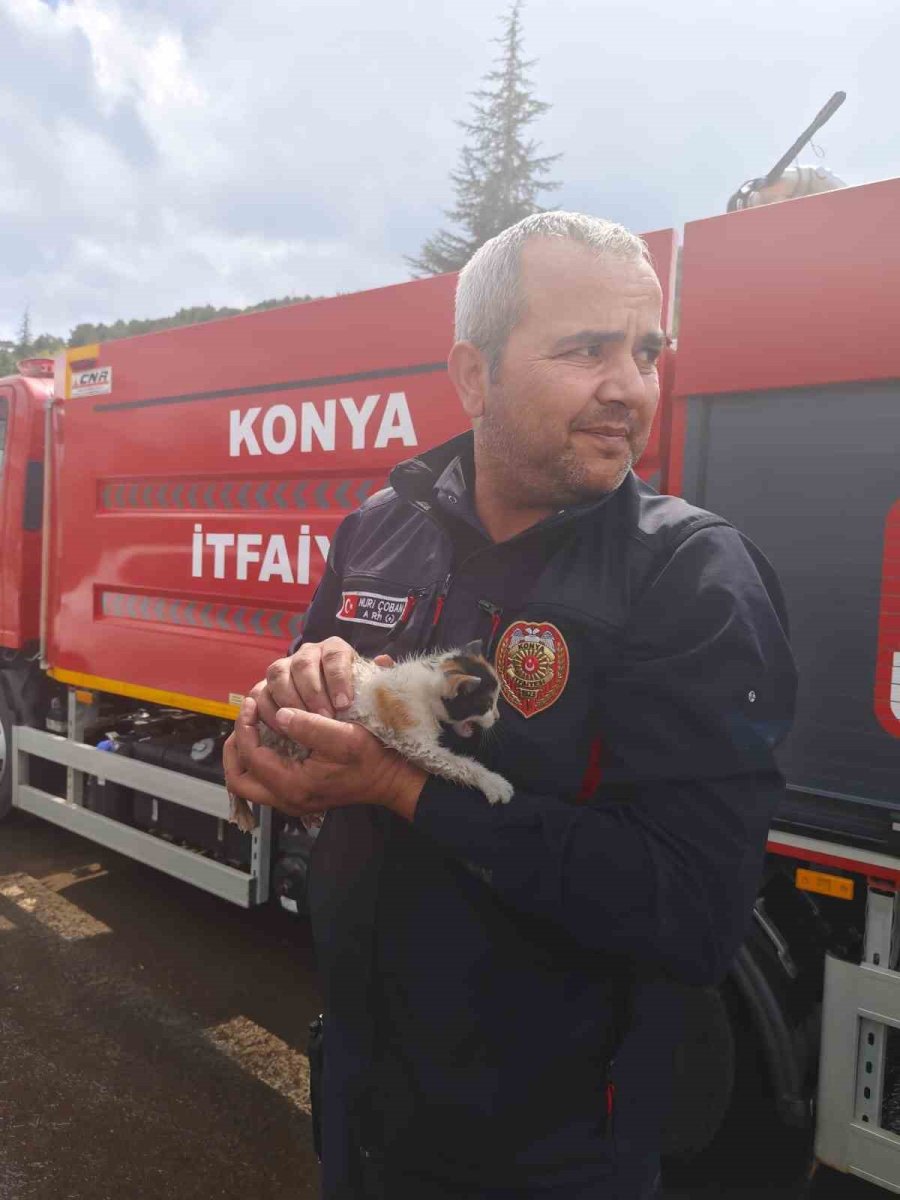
(501,982)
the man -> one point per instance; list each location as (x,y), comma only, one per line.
(483,964)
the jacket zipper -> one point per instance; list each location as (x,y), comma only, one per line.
(412,600)
(438,610)
(496,615)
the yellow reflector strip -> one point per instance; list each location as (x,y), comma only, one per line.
(825,885)
(227,712)
(84,697)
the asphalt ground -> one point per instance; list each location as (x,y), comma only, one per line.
(152,1040)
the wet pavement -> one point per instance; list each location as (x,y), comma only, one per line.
(152,1039)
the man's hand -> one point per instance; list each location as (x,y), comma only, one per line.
(318,678)
(348,765)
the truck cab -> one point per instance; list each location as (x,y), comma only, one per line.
(23,401)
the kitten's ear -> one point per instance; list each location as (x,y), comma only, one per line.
(462,685)
(474,649)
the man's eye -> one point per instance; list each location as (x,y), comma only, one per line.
(595,351)
(648,357)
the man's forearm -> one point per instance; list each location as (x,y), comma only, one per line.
(668,879)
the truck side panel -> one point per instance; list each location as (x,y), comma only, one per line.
(197,500)
(792,295)
(808,471)
(810,475)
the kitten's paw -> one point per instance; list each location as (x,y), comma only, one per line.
(497,789)
(241,814)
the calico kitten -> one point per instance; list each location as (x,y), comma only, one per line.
(405,706)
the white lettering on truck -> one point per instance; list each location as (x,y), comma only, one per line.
(270,553)
(314,426)
(288,431)
(241,433)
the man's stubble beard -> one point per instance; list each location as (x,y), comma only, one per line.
(532,475)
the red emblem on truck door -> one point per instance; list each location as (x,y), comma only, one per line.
(532,664)
(887,670)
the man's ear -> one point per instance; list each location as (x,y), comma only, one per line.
(469,372)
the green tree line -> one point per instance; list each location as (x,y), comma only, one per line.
(27,345)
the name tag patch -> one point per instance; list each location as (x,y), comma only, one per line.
(370,608)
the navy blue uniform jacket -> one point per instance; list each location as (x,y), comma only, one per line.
(475,960)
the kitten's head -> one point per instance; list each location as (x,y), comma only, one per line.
(469,689)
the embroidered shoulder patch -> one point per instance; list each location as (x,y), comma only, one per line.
(369,608)
(532,663)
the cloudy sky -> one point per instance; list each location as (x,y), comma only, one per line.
(162,153)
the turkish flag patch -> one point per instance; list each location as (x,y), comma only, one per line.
(532,663)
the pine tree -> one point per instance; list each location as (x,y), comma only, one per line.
(23,346)
(500,173)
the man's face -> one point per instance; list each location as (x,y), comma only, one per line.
(571,409)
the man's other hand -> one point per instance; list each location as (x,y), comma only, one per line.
(347,765)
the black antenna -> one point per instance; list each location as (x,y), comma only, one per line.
(825,114)
(740,197)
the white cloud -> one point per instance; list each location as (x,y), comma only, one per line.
(132,57)
(174,152)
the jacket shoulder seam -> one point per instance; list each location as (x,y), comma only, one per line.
(382,497)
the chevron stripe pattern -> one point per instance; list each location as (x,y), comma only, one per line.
(236,495)
(193,614)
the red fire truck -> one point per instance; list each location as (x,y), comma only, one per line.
(167,504)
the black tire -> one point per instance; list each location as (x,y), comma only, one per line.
(748,1137)
(6,727)
(703,1076)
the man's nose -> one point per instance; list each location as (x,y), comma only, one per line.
(621,381)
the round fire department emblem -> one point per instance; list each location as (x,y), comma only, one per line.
(532,664)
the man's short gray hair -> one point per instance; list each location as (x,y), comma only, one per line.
(488,292)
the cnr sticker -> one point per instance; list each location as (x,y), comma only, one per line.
(94,381)
(887,668)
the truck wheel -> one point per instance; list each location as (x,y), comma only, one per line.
(732,1116)
(6,725)
(704,1076)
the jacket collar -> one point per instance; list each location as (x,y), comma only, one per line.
(416,480)
(443,478)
